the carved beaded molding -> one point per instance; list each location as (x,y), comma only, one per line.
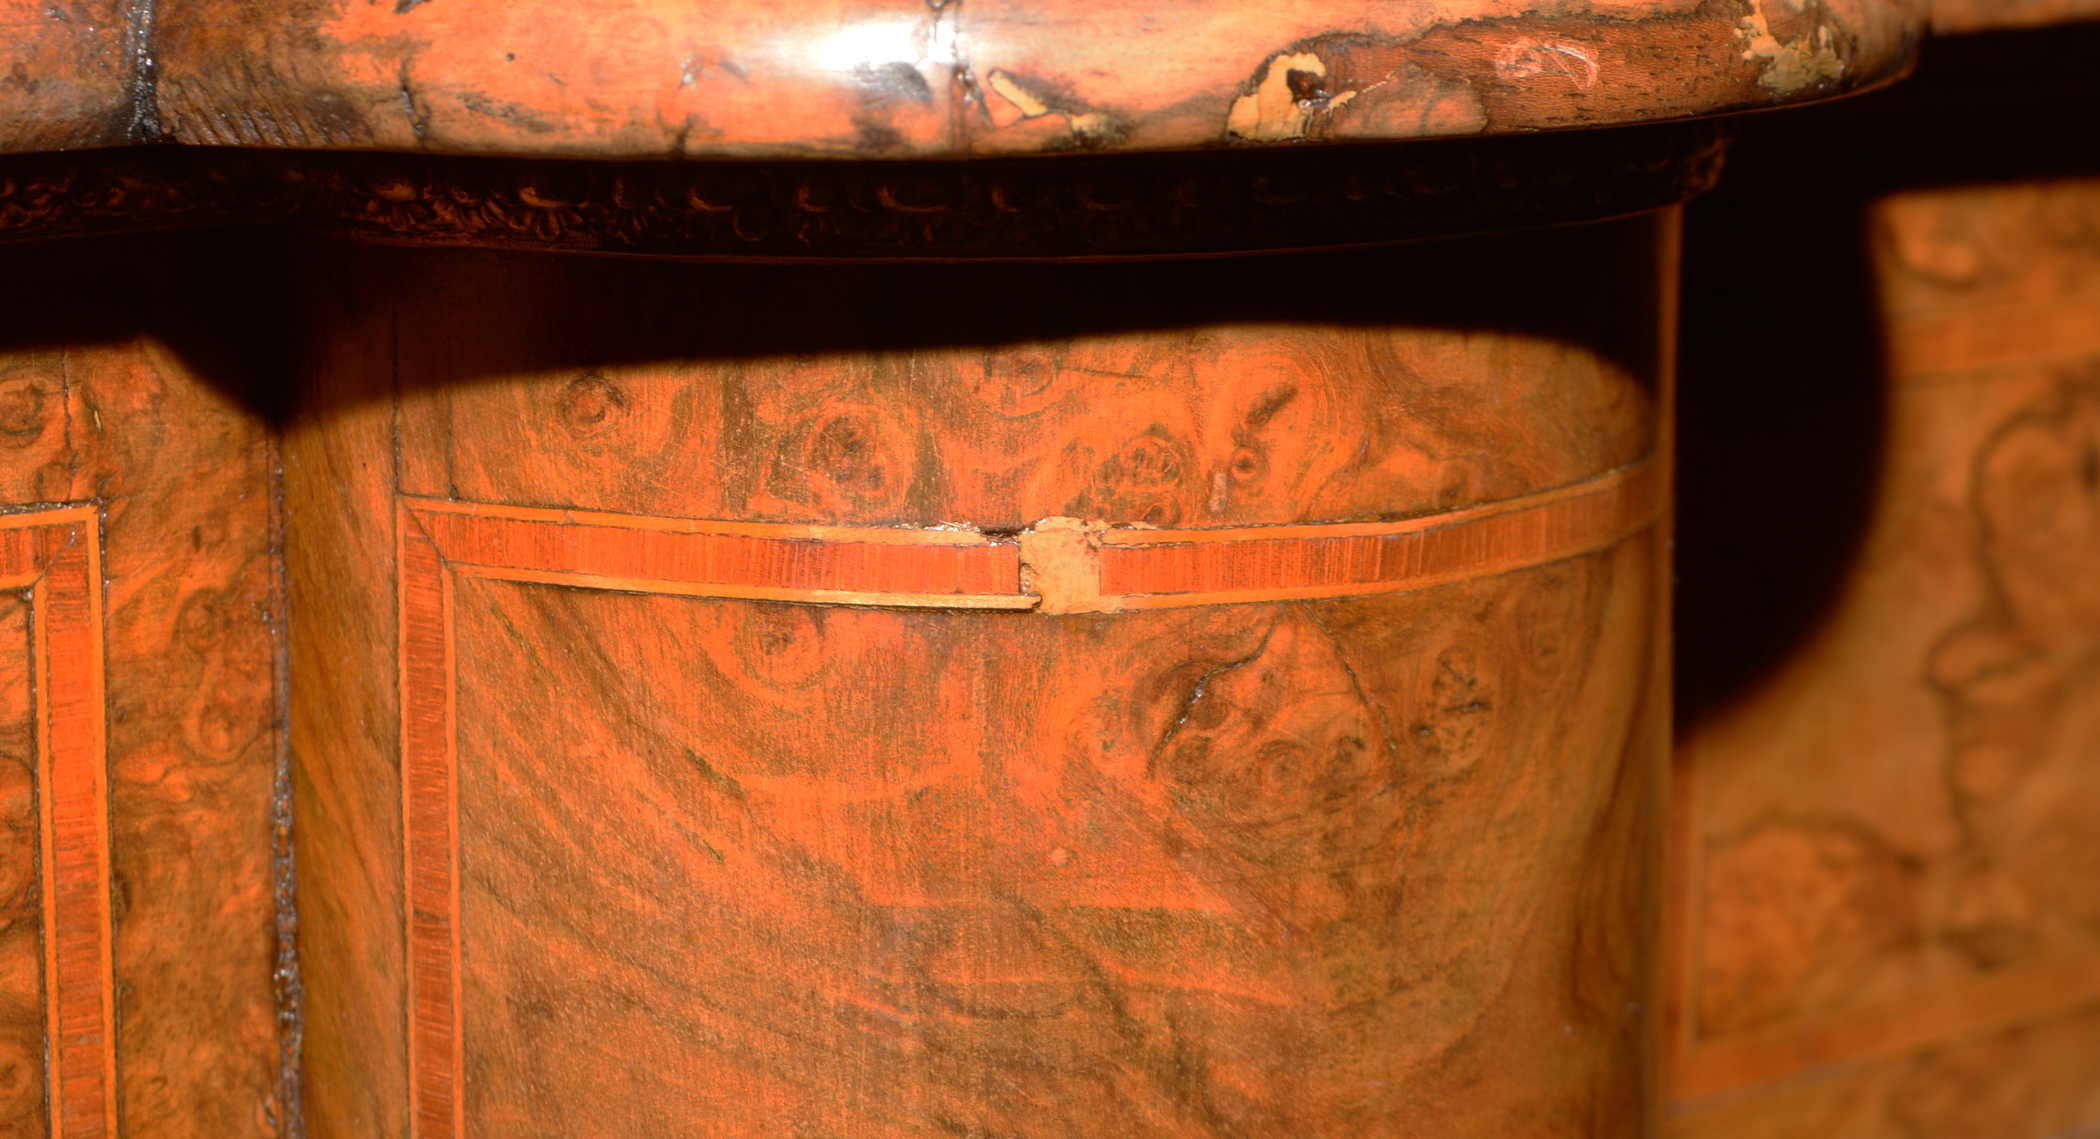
(1161,205)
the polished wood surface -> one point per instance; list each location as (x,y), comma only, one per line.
(888,78)
(1213,698)
(1360,865)
(146,694)
(24,1084)
(1057,566)
(68,74)
(51,559)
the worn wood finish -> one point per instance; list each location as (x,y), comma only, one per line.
(1058,566)
(1889,849)
(67,74)
(639,78)
(101,407)
(1360,865)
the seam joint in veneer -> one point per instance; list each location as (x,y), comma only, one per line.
(1057,566)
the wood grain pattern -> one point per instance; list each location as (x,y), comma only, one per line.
(23,1085)
(877,78)
(1888,848)
(194,621)
(722,866)
(127,400)
(841,396)
(67,617)
(54,557)
(1957,16)
(430,814)
(884,78)
(563,549)
(1061,565)
(1223,948)
(1156,569)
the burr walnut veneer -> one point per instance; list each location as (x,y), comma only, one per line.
(1034,600)
(1137,710)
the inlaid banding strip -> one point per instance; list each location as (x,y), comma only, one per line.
(1057,566)
(842,565)
(1142,569)
(56,555)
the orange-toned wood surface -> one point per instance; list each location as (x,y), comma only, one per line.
(68,74)
(1212,699)
(157,592)
(1890,879)
(1363,865)
(887,78)
(51,561)
(23,1001)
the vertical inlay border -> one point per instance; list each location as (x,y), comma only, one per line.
(56,557)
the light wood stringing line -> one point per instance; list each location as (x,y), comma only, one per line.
(57,556)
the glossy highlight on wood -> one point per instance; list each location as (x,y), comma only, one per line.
(893,78)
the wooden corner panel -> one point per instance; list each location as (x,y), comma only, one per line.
(59,977)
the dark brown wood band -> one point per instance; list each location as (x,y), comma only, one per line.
(1098,206)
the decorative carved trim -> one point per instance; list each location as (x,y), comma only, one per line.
(1161,205)
(56,557)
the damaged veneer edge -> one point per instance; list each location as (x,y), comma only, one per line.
(1057,566)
